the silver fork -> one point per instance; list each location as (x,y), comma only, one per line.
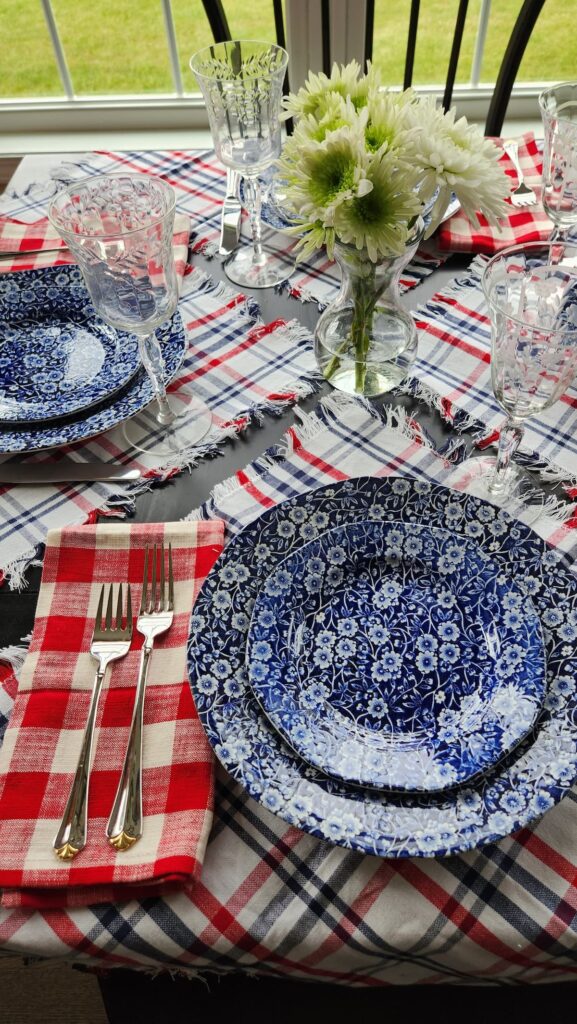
(155,617)
(522,195)
(110,641)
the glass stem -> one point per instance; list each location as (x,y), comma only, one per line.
(509,441)
(252,191)
(151,355)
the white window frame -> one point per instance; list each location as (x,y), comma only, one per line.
(182,110)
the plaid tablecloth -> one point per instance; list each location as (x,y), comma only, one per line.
(273,899)
(199,181)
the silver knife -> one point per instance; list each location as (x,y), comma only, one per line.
(23,253)
(64,472)
(231,214)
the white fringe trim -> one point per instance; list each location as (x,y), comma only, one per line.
(15,572)
(15,654)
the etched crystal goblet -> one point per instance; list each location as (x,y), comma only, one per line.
(559,115)
(241,82)
(119,227)
(531,292)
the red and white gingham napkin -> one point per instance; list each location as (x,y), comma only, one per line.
(523,224)
(41,745)
(20,237)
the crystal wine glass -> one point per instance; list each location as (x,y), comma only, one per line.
(241,82)
(531,291)
(559,115)
(119,227)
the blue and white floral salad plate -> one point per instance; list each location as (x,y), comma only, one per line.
(396,655)
(272,212)
(112,409)
(518,789)
(56,355)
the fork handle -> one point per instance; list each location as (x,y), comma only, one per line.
(71,836)
(125,821)
(512,151)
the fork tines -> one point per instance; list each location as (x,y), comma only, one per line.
(158,597)
(103,626)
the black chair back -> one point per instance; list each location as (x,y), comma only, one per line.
(412,44)
(516,47)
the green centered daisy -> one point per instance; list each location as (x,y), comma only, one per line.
(323,175)
(338,114)
(378,220)
(313,97)
(387,122)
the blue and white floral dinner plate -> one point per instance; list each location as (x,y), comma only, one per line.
(396,655)
(530,780)
(56,355)
(112,409)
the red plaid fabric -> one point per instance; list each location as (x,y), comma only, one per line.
(524,224)
(21,237)
(41,745)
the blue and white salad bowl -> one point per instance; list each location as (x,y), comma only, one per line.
(396,655)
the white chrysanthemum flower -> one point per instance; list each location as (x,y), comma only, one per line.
(379,219)
(362,164)
(323,175)
(388,123)
(456,157)
(313,97)
(338,114)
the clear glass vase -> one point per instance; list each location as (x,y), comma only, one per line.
(365,342)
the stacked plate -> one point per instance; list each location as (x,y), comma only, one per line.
(391,665)
(65,375)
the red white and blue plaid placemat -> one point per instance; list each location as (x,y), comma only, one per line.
(199,181)
(272,899)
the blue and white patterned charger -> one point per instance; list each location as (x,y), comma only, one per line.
(534,777)
(126,402)
(57,356)
(397,656)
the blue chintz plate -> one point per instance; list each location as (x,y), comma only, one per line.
(112,410)
(518,789)
(396,655)
(57,356)
(272,212)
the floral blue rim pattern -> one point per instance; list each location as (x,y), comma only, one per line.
(519,789)
(397,656)
(131,399)
(57,356)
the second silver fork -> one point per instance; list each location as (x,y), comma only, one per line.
(155,617)
(523,195)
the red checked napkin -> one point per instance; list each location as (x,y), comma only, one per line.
(41,744)
(524,224)
(15,236)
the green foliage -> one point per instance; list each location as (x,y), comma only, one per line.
(120,47)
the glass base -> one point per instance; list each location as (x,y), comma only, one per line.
(519,494)
(192,421)
(271,271)
(376,380)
